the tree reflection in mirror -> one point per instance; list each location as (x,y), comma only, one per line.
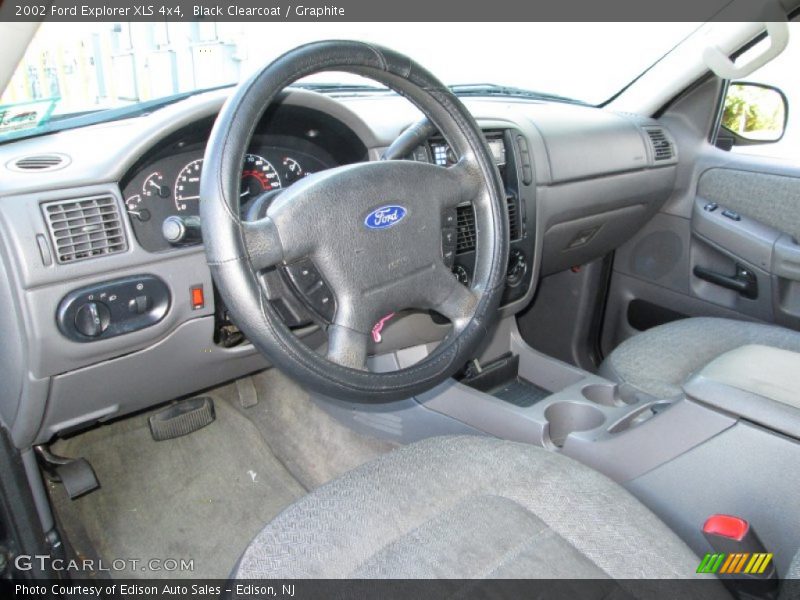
(755,113)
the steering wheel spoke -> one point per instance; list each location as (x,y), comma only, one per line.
(464,183)
(263,244)
(347,347)
(457,302)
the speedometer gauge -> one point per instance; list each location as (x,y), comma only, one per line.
(187,184)
(258,175)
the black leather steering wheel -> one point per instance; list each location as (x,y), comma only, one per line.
(374,231)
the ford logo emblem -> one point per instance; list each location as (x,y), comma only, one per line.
(385,216)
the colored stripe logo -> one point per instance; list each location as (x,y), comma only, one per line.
(736,563)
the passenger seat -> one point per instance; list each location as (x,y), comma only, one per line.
(660,360)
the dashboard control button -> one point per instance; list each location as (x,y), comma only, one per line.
(321,299)
(461,274)
(517,267)
(92,319)
(449,237)
(139,304)
(107,309)
(198,297)
(449,255)
(304,275)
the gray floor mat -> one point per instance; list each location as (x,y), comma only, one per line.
(200,497)
(313,445)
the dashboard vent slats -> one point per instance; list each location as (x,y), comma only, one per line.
(513,218)
(662,147)
(84,228)
(465,225)
(39,162)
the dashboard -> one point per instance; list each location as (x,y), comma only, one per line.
(107,315)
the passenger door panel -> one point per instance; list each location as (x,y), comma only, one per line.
(752,229)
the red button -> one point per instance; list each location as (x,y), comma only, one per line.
(198,300)
(726,526)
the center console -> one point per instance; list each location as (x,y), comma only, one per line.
(509,148)
(729,445)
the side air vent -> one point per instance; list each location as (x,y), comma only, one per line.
(465,224)
(84,228)
(39,162)
(662,146)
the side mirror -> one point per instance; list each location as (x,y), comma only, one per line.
(753,113)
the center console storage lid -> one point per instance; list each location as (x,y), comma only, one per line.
(757,383)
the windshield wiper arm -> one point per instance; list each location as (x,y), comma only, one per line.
(492,89)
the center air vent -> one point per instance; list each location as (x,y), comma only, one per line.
(39,162)
(662,146)
(84,228)
(465,224)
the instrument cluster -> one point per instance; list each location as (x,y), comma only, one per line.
(169,187)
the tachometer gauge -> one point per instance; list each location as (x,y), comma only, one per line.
(292,171)
(154,186)
(258,175)
(187,184)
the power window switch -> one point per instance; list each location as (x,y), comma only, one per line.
(732,215)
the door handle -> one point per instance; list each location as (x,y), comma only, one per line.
(744,281)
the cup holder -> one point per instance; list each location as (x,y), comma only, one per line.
(606,394)
(565,417)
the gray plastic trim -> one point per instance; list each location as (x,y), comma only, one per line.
(744,471)
(182,363)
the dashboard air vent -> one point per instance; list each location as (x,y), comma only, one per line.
(513,218)
(465,225)
(84,228)
(39,162)
(662,147)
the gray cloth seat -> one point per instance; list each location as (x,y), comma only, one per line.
(660,360)
(468,507)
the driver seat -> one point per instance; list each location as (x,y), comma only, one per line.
(468,507)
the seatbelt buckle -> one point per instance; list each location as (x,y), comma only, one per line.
(740,559)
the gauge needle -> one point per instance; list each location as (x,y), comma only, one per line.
(244,193)
(155,185)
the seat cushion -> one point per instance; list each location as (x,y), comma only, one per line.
(660,360)
(468,507)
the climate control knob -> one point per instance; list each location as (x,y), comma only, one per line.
(517,267)
(92,319)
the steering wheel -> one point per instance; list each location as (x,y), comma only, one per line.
(375,232)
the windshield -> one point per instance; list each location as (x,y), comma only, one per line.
(74,68)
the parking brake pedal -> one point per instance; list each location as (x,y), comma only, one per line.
(182,418)
(76,474)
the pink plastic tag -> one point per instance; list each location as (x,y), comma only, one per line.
(376,331)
